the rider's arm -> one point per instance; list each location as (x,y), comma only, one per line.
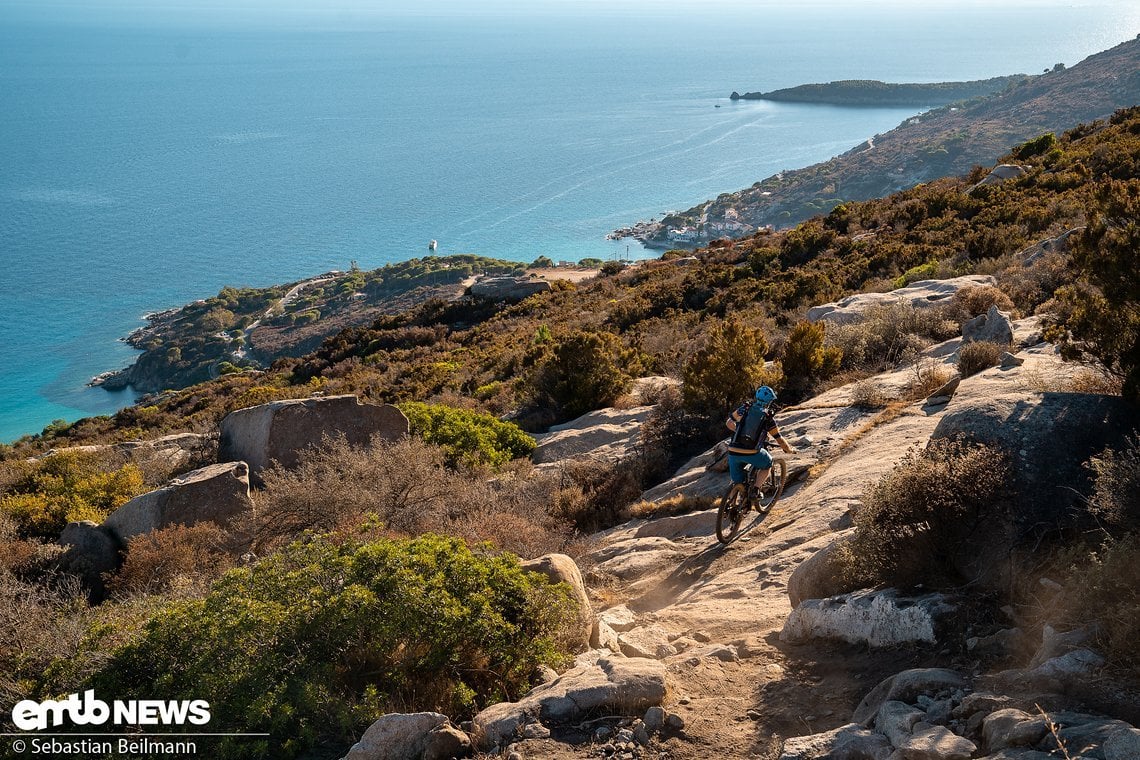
(775,433)
(736,416)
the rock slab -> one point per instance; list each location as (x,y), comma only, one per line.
(218,493)
(876,618)
(281,430)
(397,736)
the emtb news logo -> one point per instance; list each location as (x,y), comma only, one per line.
(30,715)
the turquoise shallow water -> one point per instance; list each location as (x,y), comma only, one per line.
(141,168)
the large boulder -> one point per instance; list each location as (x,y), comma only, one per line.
(396,736)
(91,551)
(218,493)
(820,575)
(999,174)
(607,685)
(848,742)
(995,326)
(281,430)
(560,568)
(920,295)
(1049,435)
(876,618)
(509,288)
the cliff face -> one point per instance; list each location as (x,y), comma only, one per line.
(942,142)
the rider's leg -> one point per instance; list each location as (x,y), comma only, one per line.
(736,468)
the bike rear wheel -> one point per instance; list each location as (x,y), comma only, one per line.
(733,507)
(773,488)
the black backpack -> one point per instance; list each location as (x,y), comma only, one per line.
(752,429)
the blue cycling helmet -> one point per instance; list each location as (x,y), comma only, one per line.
(765,395)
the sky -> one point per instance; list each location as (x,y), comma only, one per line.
(211,12)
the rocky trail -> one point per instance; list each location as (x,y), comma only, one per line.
(744,672)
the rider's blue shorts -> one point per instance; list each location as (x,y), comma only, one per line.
(761,460)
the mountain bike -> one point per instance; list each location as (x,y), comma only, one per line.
(740,498)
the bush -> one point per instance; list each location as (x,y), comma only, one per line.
(1101,312)
(978,356)
(583,372)
(726,371)
(1116,495)
(915,524)
(888,335)
(44,495)
(405,484)
(315,642)
(972,301)
(180,559)
(404,488)
(467,437)
(806,360)
(1103,588)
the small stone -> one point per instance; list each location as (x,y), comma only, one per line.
(1009,360)
(754,714)
(702,636)
(535,731)
(684,701)
(654,718)
(675,722)
(609,749)
(640,733)
(515,756)
(625,735)
(603,733)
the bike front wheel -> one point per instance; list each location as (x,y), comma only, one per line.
(773,488)
(733,507)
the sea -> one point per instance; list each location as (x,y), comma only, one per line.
(149,159)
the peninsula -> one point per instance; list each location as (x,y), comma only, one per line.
(872,92)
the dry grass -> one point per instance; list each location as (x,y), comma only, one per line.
(978,356)
(680,504)
(929,376)
(870,394)
(180,560)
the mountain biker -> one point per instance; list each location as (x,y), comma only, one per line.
(751,424)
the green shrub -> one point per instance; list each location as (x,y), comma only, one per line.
(978,356)
(467,437)
(727,370)
(806,360)
(583,372)
(1036,146)
(914,274)
(916,523)
(43,496)
(1101,311)
(315,642)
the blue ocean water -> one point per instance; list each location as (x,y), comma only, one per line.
(142,167)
